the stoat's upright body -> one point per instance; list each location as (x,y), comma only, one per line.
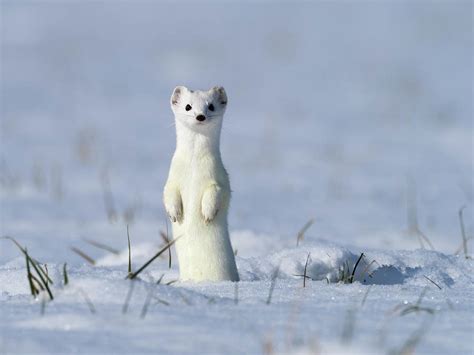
(197,193)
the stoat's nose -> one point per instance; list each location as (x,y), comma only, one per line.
(200,118)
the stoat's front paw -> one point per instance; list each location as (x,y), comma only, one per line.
(175,212)
(209,211)
(174,208)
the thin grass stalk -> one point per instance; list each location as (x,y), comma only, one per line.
(365,296)
(463,231)
(300,235)
(28,274)
(108,196)
(88,301)
(66,278)
(136,273)
(412,309)
(43,306)
(165,238)
(148,299)
(129,253)
(412,342)
(236,293)
(43,281)
(434,283)
(47,273)
(102,246)
(83,255)
(129,297)
(272,284)
(422,295)
(355,267)
(305,269)
(38,283)
(160,279)
(426,239)
(32,261)
(349,325)
(368,267)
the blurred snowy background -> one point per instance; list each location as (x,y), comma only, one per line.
(338,111)
(357,114)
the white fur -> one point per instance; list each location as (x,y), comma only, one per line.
(197,193)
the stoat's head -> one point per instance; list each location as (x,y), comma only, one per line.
(199,110)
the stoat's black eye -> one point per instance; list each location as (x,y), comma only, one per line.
(211,107)
(188,107)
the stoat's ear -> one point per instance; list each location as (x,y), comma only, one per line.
(177,94)
(221,94)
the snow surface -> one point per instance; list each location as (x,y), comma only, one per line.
(341,112)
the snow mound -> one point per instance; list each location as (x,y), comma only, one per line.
(332,262)
(326,261)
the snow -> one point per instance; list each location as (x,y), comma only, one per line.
(339,112)
(214,317)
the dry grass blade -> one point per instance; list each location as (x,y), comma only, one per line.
(129,297)
(83,255)
(47,272)
(34,262)
(148,298)
(159,300)
(37,283)
(409,346)
(463,231)
(108,197)
(43,282)
(365,296)
(412,309)
(40,272)
(412,215)
(160,279)
(404,309)
(450,304)
(272,284)
(166,247)
(425,238)
(166,239)
(43,272)
(88,301)
(268,346)
(368,267)
(129,253)
(66,278)
(349,325)
(422,295)
(303,230)
(434,283)
(33,289)
(355,267)
(347,276)
(461,247)
(43,305)
(305,270)
(101,246)
(236,293)
(57,186)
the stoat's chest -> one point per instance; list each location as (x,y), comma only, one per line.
(195,172)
